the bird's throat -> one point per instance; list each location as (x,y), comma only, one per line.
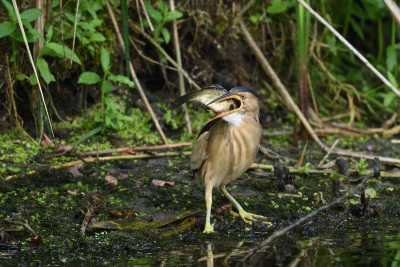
(233,119)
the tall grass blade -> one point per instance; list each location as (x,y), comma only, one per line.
(32,62)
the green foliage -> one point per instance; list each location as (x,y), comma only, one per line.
(159,17)
(361,165)
(110,114)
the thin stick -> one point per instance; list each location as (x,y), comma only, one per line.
(352,49)
(327,154)
(32,62)
(73,39)
(394,10)
(138,11)
(147,16)
(149,59)
(302,220)
(179,62)
(133,149)
(278,84)
(25,224)
(133,74)
(89,160)
(165,54)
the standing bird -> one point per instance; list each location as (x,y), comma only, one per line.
(227,145)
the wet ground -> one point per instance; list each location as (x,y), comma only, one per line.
(56,203)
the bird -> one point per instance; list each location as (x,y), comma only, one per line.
(227,146)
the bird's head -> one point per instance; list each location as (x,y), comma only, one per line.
(240,101)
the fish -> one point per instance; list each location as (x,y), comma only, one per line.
(216,97)
(205,96)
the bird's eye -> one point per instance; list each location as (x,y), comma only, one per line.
(243,96)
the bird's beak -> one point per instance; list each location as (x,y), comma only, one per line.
(225,105)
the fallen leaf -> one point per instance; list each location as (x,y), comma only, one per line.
(37,240)
(111,180)
(74,170)
(72,192)
(119,214)
(162,183)
(65,148)
(46,141)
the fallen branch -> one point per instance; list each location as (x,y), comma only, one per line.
(25,224)
(89,160)
(134,149)
(302,220)
(133,74)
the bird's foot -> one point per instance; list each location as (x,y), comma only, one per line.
(208,228)
(248,217)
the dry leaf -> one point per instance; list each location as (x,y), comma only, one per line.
(111,180)
(37,240)
(46,141)
(65,148)
(74,170)
(72,192)
(162,183)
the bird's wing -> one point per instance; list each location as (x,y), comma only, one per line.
(199,153)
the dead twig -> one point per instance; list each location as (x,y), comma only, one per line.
(165,54)
(179,62)
(277,82)
(133,74)
(25,224)
(134,149)
(327,154)
(147,16)
(90,160)
(302,220)
(352,49)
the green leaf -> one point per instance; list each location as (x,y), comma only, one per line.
(105,60)
(121,79)
(356,27)
(388,98)
(36,33)
(54,49)
(173,15)
(371,192)
(70,17)
(106,87)
(392,79)
(21,77)
(97,37)
(6,28)
(31,14)
(49,34)
(277,6)
(89,77)
(29,37)
(391,58)
(55,3)
(32,79)
(86,26)
(154,14)
(255,18)
(10,9)
(166,35)
(96,22)
(45,71)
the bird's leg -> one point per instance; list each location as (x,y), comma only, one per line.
(208,227)
(246,216)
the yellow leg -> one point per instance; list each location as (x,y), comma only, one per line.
(208,227)
(246,216)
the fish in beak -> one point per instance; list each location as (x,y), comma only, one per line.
(215,97)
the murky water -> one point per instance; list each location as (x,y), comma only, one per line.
(371,244)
